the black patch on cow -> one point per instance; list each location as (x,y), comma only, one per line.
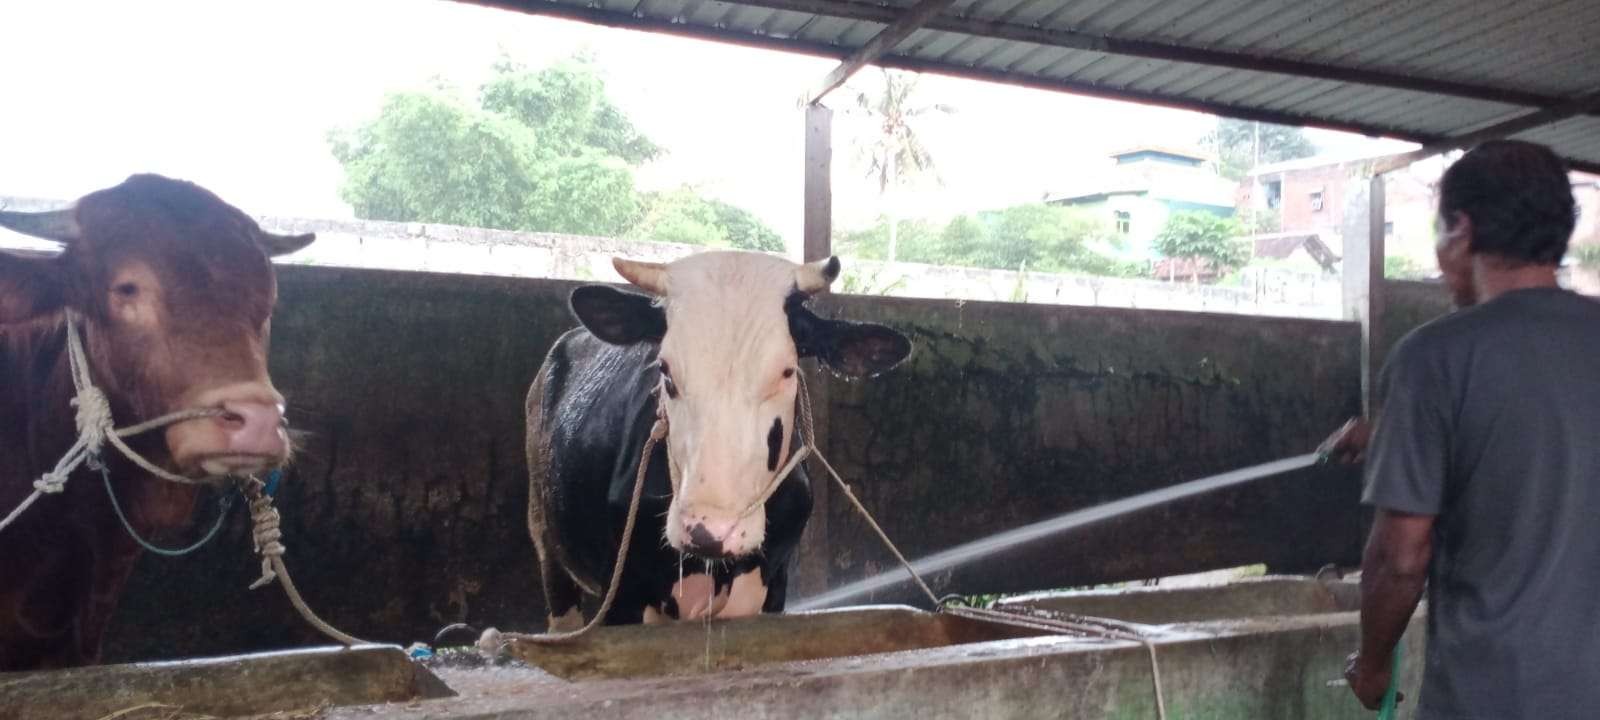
(774,444)
(703,541)
(618,317)
(851,348)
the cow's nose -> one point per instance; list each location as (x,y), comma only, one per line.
(706,537)
(254,428)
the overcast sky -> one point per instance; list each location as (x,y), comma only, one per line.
(239,96)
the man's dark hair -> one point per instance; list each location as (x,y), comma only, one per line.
(1518,197)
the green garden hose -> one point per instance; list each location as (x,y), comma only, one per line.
(1386,710)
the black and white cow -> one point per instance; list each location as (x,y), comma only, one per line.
(718,340)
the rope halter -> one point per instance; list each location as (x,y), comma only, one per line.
(96,428)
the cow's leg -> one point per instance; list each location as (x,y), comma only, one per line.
(777,590)
(746,597)
(562,598)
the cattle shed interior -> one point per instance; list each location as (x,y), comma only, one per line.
(406,508)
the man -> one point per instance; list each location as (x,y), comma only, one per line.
(1483,468)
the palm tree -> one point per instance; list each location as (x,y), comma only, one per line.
(896,154)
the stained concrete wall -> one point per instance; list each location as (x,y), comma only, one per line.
(404,510)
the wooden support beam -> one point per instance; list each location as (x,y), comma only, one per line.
(880,45)
(815,556)
(818,183)
(1362,277)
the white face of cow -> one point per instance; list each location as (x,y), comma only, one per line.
(732,329)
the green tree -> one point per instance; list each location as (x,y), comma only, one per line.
(1241,145)
(680,216)
(1400,267)
(1042,238)
(897,154)
(746,231)
(881,281)
(684,216)
(567,107)
(542,151)
(1045,238)
(918,241)
(1202,236)
(1587,256)
(961,240)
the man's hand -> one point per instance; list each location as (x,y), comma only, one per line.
(1368,682)
(1348,444)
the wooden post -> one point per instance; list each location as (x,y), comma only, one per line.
(809,575)
(818,183)
(1362,278)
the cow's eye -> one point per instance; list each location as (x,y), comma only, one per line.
(126,290)
(788,373)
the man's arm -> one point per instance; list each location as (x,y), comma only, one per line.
(1394,572)
(1348,444)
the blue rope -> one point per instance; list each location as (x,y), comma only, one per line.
(224,504)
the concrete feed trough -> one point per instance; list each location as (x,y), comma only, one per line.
(1265,648)
(693,648)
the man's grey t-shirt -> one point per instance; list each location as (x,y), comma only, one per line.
(1491,422)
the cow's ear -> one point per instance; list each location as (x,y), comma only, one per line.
(30,288)
(617,317)
(851,348)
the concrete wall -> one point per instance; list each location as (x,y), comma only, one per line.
(405,508)
(477,251)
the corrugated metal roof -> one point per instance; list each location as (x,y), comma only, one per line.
(1418,70)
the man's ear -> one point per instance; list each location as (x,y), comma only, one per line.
(617,317)
(851,348)
(30,288)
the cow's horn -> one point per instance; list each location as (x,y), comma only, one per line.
(648,276)
(276,244)
(58,225)
(814,277)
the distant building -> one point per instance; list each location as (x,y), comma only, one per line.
(1142,189)
(1299,251)
(1307,196)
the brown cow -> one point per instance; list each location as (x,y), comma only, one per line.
(175,291)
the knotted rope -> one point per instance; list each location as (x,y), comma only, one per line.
(264,522)
(96,427)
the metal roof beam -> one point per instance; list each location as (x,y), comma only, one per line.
(1074,40)
(597,16)
(1520,124)
(881,44)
